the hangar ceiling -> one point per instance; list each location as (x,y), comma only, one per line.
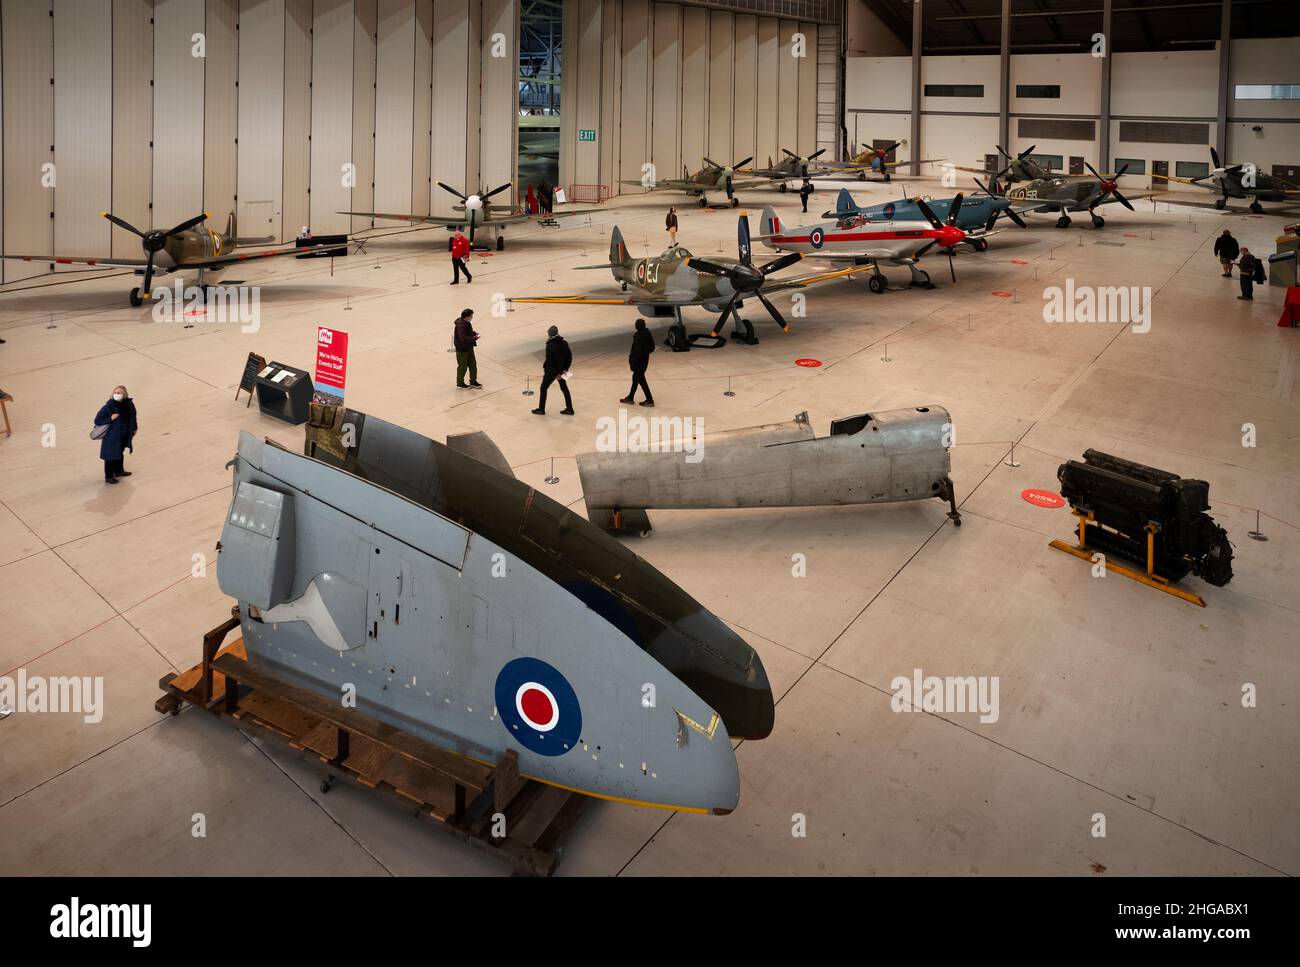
(973,26)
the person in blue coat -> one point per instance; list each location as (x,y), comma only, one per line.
(118,414)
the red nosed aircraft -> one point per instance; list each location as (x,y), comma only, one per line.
(860,241)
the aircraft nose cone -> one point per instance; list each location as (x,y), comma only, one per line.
(951,235)
(473,203)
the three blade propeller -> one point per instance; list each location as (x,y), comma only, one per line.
(155,241)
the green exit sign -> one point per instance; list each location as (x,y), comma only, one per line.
(586,134)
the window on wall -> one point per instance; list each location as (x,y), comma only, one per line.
(1038,90)
(1268,92)
(1136,166)
(1052,162)
(954,90)
(1192,169)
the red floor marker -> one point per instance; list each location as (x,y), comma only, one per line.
(1042,498)
(1019,262)
(1130,234)
(1003,295)
(810,363)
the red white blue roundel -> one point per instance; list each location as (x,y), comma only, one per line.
(538,706)
(888,211)
(816,237)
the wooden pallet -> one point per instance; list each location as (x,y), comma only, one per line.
(465,797)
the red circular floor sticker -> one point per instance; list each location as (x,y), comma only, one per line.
(808,362)
(1003,295)
(1042,498)
(1019,262)
(1130,234)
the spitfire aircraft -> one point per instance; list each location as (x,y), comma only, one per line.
(478,214)
(188,251)
(1241,181)
(976,215)
(873,159)
(1043,191)
(665,284)
(1072,193)
(865,243)
(712,177)
(794,167)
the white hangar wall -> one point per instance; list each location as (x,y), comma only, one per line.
(1160,86)
(284,111)
(667,84)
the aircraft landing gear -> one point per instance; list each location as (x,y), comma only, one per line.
(704,202)
(862,176)
(501,243)
(980,245)
(735,202)
(747,334)
(1063,221)
(782,188)
(449,241)
(136,300)
(1220,203)
(876,283)
(1256,208)
(1097,220)
(921,278)
(677,340)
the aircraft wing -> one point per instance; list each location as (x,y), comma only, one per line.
(238,256)
(105,261)
(413,219)
(803,281)
(860,257)
(630,299)
(1183,181)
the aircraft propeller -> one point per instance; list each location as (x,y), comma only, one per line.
(1107,186)
(473,202)
(803,162)
(949,234)
(746,278)
(154,242)
(993,216)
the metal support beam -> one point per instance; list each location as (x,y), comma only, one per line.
(1104,162)
(1225,47)
(915,146)
(1004,81)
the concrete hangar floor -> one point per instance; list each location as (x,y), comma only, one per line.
(1114,699)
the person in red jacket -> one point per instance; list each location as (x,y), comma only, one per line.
(460,252)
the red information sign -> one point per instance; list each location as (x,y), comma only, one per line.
(808,362)
(331,364)
(1042,498)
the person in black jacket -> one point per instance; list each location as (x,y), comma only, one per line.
(559,357)
(464,339)
(638,360)
(1252,271)
(1225,247)
(805,190)
(118,414)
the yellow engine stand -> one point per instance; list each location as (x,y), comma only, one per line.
(1151,579)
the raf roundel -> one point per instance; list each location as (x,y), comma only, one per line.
(538,706)
(816,237)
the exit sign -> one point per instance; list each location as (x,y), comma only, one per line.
(586,134)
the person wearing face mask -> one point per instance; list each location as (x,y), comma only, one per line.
(118,414)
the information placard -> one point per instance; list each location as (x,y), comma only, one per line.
(331,365)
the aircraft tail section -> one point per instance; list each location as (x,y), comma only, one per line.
(232,233)
(769,226)
(844,204)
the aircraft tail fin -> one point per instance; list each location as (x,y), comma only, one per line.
(844,204)
(618,249)
(232,233)
(769,226)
